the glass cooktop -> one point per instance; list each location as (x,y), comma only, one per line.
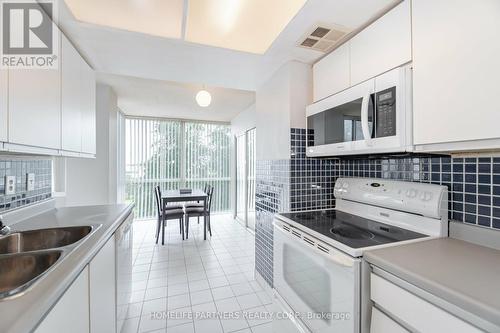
(351,230)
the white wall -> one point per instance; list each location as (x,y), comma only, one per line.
(244,121)
(301,93)
(281,104)
(94,181)
(273,116)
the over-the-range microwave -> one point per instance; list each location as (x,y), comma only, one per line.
(372,117)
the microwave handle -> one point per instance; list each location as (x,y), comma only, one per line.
(364,118)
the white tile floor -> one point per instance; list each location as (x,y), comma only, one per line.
(179,287)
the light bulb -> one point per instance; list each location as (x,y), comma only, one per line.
(203,98)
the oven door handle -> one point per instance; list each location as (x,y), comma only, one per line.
(336,256)
(365,127)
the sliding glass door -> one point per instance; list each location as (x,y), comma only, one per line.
(175,154)
(240,178)
(245,178)
(250,161)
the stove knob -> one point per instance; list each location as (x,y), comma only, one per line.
(428,196)
(338,184)
(345,186)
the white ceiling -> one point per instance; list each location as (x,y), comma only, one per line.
(163,99)
(132,54)
(155,17)
(243,25)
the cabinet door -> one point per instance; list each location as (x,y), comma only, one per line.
(88,110)
(413,310)
(35,107)
(383,324)
(331,74)
(71,101)
(71,312)
(3,104)
(103,290)
(383,45)
(456,71)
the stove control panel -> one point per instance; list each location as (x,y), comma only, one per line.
(417,198)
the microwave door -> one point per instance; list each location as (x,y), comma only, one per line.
(339,124)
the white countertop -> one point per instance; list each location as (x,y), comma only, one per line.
(461,273)
(22,314)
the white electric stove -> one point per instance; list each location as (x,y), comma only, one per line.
(317,254)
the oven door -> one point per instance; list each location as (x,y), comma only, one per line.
(321,288)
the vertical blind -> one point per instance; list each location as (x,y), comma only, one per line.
(175,154)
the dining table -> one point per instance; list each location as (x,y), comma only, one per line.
(178,196)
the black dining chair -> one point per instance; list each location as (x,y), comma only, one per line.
(203,211)
(165,214)
(197,203)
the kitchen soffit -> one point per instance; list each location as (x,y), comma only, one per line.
(153,17)
(242,25)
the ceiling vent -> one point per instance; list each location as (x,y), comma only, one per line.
(323,38)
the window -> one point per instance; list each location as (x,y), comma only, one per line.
(175,154)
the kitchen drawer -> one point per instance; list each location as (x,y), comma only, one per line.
(413,310)
(383,324)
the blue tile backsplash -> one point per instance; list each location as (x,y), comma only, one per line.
(302,183)
(42,168)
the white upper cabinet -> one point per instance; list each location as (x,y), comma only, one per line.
(383,45)
(50,112)
(332,73)
(88,97)
(456,72)
(3,104)
(35,107)
(71,103)
(380,47)
(78,126)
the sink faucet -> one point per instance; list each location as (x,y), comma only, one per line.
(4,229)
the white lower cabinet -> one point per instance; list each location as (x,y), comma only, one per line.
(406,307)
(384,324)
(102,281)
(89,304)
(71,312)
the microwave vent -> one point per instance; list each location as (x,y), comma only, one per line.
(323,38)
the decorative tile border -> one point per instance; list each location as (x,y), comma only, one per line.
(42,168)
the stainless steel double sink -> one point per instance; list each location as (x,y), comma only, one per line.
(26,256)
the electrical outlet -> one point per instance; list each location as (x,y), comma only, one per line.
(10,185)
(30,181)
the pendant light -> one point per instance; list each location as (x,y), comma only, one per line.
(203,98)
